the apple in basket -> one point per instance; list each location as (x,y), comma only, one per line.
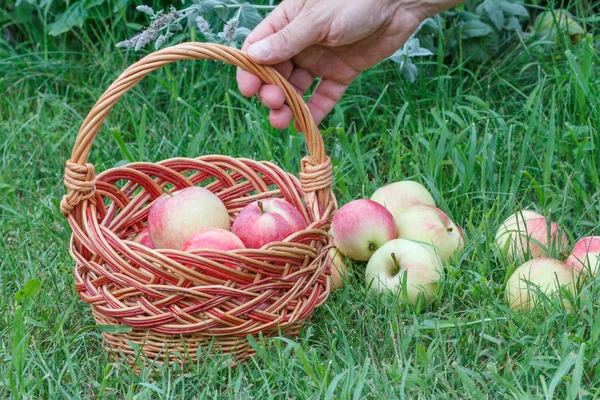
(397,197)
(431,225)
(360,227)
(265,221)
(585,256)
(143,238)
(213,238)
(175,217)
(402,263)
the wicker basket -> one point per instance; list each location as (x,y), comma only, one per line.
(176,302)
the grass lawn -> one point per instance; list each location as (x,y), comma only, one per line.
(486,140)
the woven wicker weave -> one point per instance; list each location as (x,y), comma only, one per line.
(182,301)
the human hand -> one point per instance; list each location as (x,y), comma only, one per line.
(332,39)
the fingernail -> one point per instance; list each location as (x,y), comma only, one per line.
(261,49)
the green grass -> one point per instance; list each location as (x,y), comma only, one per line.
(486,140)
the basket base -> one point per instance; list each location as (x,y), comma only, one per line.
(158,348)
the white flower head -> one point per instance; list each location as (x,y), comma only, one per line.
(229,30)
(145,9)
(203,25)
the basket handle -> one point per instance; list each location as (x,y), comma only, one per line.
(80,176)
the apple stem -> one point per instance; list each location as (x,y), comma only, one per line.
(167,191)
(396,263)
(260,205)
(450,230)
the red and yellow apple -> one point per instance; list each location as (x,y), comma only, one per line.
(213,238)
(429,224)
(337,267)
(402,262)
(360,227)
(585,256)
(174,218)
(143,238)
(525,235)
(544,274)
(265,221)
(397,197)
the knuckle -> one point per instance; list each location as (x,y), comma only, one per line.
(286,39)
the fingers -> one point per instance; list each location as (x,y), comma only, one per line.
(281,117)
(272,23)
(324,98)
(286,42)
(248,84)
(301,79)
(271,96)
(326,95)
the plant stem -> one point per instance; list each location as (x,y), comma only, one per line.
(258,7)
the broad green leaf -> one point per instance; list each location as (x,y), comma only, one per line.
(241,34)
(208,5)
(32,287)
(75,15)
(222,12)
(514,9)
(467,16)
(249,16)
(492,10)
(513,24)
(474,29)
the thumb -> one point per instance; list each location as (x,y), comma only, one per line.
(286,43)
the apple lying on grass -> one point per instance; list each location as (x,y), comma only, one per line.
(175,217)
(143,238)
(431,225)
(397,197)
(525,235)
(266,221)
(213,238)
(585,256)
(402,262)
(360,227)
(338,268)
(544,274)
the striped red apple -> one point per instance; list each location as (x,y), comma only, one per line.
(397,197)
(585,256)
(360,227)
(266,221)
(527,234)
(143,238)
(430,225)
(175,217)
(213,238)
